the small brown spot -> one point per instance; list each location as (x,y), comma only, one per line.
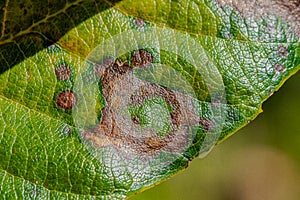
(139,22)
(283,52)
(206,124)
(63,72)
(135,119)
(141,58)
(279,67)
(66,100)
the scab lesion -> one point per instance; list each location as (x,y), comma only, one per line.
(66,100)
(117,79)
(110,69)
(142,58)
(63,72)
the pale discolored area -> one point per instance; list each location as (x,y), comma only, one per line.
(288,10)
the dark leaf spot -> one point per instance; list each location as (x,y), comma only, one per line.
(63,72)
(279,67)
(135,119)
(141,58)
(206,124)
(283,52)
(66,100)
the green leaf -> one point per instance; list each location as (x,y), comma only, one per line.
(126,96)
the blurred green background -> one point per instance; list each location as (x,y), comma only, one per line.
(259,162)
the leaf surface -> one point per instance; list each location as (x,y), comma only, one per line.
(132,94)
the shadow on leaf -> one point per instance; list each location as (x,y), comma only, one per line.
(29,26)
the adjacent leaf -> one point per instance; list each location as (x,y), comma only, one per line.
(29,26)
(131,95)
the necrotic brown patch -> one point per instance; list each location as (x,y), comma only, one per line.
(66,100)
(141,58)
(63,72)
(122,89)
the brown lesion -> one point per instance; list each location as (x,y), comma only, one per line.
(141,58)
(108,133)
(135,119)
(206,124)
(63,72)
(117,79)
(66,100)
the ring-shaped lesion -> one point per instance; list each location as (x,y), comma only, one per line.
(120,90)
